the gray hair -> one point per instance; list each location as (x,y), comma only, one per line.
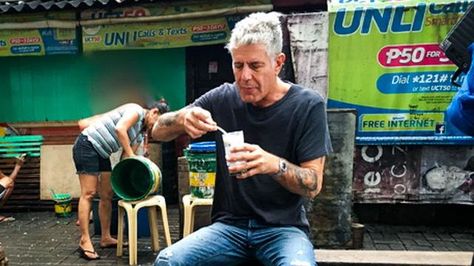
(258,28)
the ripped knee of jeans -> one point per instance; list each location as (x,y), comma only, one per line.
(163,258)
(297,262)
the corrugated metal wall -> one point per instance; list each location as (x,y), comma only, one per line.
(60,88)
(63,88)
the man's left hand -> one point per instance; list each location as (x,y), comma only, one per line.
(252,160)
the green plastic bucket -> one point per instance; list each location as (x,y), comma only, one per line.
(135,178)
(201,157)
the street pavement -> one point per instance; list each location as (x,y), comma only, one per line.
(40,238)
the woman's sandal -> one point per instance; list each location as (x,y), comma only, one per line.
(83,254)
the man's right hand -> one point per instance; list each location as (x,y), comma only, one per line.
(20,160)
(198,122)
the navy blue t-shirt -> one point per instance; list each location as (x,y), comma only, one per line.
(294,128)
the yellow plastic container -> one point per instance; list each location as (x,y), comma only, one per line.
(63,208)
(201,157)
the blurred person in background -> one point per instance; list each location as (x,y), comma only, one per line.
(102,135)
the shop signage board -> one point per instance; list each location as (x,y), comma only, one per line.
(190,23)
(384,61)
(169,34)
(163,9)
(175,24)
(43,41)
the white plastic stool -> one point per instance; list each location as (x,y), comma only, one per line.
(132,208)
(189,203)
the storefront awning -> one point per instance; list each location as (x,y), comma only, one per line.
(95,12)
(163,24)
(39,5)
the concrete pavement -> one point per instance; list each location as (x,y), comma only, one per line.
(39,238)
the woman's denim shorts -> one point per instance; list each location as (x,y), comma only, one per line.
(86,158)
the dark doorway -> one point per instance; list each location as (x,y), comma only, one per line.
(206,68)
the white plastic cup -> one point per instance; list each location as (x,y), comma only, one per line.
(232,139)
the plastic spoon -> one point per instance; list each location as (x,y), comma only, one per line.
(221,130)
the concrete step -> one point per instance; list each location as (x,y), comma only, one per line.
(330,257)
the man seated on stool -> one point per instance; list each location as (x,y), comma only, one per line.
(258,210)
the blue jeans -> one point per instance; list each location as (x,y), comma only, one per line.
(224,244)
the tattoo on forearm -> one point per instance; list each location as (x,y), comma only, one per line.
(306,179)
(168,119)
(300,179)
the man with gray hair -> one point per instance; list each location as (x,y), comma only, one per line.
(258,208)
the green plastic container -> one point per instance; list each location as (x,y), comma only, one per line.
(201,157)
(135,178)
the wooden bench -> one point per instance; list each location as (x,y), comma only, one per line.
(27,184)
(13,146)
(330,257)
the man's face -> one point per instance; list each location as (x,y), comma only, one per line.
(255,73)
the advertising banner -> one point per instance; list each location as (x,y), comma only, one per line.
(171,8)
(384,61)
(168,34)
(38,42)
(178,24)
(44,41)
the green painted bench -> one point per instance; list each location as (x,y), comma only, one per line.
(13,146)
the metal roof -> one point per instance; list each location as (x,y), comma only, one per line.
(42,5)
(20,6)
